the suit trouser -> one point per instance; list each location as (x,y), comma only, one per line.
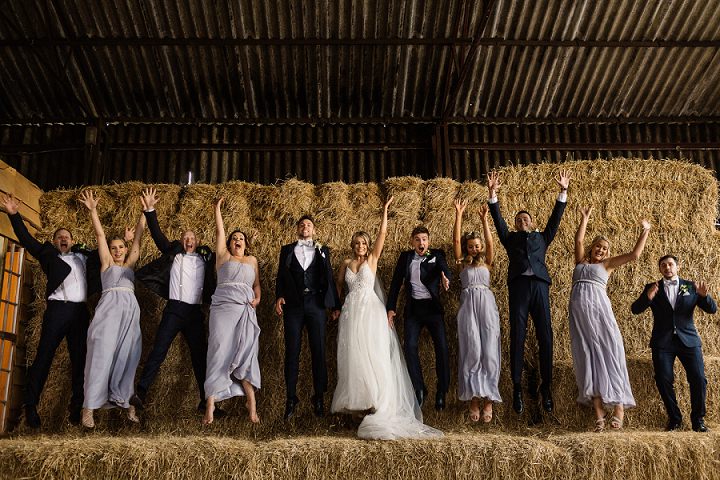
(692,359)
(311,315)
(178,317)
(67,320)
(530,295)
(428,314)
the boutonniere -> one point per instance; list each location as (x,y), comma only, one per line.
(684,290)
(204,252)
(319,247)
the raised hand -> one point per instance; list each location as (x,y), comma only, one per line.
(483,211)
(389,201)
(445,281)
(493,183)
(149,198)
(10,203)
(701,288)
(460,206)
(645,224)
(585,211)
(219,202)
(653,290)
(563,179)
(88,199)
(129,234)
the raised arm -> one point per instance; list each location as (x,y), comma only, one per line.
(88,199)
(500,225)
(489,244)
(553,223)
(619,260)
(149,198)
(380,239)
(134,253)
(460,206)
(580,234)
(221,252)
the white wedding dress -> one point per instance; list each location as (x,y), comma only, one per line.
(371,368)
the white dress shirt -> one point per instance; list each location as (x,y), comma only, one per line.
(74,287)
(187,278)
(419,290)
(671,289)
(305,253)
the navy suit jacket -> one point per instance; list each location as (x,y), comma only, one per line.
(48,256)
(430,269)
(286,287)
(680,319)
(527,249)
(156,274)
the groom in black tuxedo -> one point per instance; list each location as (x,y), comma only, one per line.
(529,285)
(672,301)
(422,270)
(304,289)
(184,275)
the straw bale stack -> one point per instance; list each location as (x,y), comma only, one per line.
(678,198)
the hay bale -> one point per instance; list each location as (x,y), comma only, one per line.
(622,191)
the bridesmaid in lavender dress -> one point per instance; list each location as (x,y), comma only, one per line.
(478,318)
(114,340)
(597,345)
(232,360)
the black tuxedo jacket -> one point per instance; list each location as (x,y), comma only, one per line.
(286,287)
(680,319)
(430,269)
(156,274)
(527,249)
(48,256)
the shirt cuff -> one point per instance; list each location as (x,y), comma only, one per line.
(562,197)
(493,199)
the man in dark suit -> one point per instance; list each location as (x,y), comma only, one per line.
(422,270)
(672,301)
(304,289)
(529,286)
(66,313)
(185,276)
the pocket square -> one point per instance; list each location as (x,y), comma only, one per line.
(432,260)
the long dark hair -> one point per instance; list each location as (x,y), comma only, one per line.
(247,240)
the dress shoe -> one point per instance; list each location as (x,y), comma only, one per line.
(547,401)
(217,413)
(32,419)
(439,401)
(290,406)
(420,395)
(673,425)
(74,417)
(518,405)
(318,405)
(700,426)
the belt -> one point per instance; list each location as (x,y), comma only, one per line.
(476,286)
(594,282)
(307,291)
(125,289)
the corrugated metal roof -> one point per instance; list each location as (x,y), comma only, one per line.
(367,62)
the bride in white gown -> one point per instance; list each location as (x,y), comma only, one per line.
(372,376)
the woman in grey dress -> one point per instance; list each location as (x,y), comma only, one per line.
(114,340)
(597,345)
(232,360)
(478,318)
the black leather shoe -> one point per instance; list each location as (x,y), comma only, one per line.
(673,425)
(700,426)
(138,402)
(218,413)
(420,395)
(518,405)
(439,401)
(318,405)
(32,419)
(74,417)
(547,401)
(290,406)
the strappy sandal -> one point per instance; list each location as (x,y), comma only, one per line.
(474,410)
(86,418)
(616,423)
(487,413)
(600,425)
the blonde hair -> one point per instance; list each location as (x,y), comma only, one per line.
(363,235)
(596,240)
(469,259)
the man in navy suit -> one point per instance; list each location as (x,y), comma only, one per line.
(422,271)
(529,285)
(672,301)
(304,289)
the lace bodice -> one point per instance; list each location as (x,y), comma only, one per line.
(364,278)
